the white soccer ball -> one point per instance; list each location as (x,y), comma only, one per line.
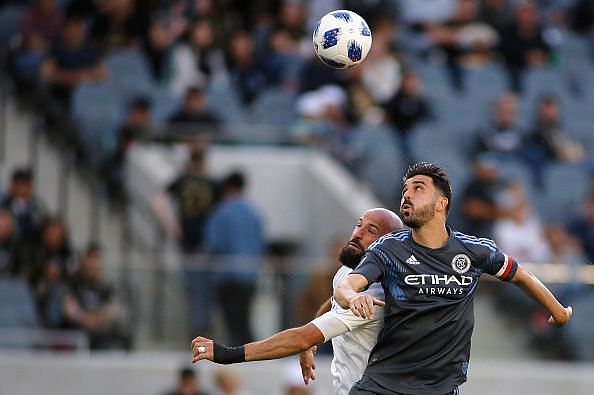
(342,39)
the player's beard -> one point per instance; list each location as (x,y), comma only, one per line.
(418,217)
(348,258)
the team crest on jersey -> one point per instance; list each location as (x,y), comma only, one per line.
(461,263)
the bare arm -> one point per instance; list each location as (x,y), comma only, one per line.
(283,344)
(161,205)
(348,295)
(539,292)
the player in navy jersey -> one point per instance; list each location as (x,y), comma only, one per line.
(429,274)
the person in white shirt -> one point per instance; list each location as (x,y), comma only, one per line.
(352,337)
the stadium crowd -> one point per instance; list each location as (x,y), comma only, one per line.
(453,82)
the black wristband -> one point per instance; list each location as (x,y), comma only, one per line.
(226,355)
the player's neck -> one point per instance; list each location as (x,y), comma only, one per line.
(431,235)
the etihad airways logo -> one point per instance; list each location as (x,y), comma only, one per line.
(435,284)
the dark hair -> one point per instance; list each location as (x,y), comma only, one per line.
(437,174)
(187,372)
(235,179)
(22,174)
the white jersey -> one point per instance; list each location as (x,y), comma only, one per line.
(352,337)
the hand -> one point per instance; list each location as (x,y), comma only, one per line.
(563,319)
(362,305)
(308,364)
(202,344)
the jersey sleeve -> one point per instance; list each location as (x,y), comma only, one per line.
(500,265)
(338,321)
(372,266)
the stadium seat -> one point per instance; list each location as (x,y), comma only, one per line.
(274,106)
(98,112)
(164,104)
(10,19)
(565,191)
(129,75)
(17,308)
(224,102)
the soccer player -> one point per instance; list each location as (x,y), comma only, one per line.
(430,274)
(352,337)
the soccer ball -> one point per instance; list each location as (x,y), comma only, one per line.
(342,39)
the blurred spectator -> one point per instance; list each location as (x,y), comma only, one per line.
(157,46)
(54,246)
(496,13)
(194,195)
(235,238)
(583,229)
(373,155)
(26,208)
(119,24)
(464,39)
(71,61)
(91,305)
(323,120)
(197,61)
(502,136)
(314,74)
(194,117)
(188,383)
(381,71)
(8,245)
(228,382)
(521,233)
(406,109)
(480,208)
(137,126)
(247,73)
(549,142)
(40,26)
(523,44)
(50,294)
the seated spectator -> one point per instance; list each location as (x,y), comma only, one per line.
(502,136)
(197,61)
(40,26)
(188,383)
(8,246)
(157,45)
(406,109)
(194,117)
(247,73)
(464,39)
(548,141)
(119,24)
(521,234)
(479,205)
(583,21)
(381,72)
(55,247)
(71,61)
(26,209)
(91,305)
(50,292)
(523,44)
(583,229)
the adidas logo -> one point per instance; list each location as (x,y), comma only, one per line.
(412,260)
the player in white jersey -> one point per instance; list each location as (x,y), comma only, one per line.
(352,337)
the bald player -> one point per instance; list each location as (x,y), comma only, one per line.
(352,337)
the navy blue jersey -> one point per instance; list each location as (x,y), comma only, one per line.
(424,347)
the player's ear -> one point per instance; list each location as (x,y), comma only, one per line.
(442,203)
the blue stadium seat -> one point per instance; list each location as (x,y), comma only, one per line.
(129,75)
(566,189)
(274,106)
(225,103)
(98,112)
(164,104)
(17,308)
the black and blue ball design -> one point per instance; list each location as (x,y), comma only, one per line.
(342,39)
